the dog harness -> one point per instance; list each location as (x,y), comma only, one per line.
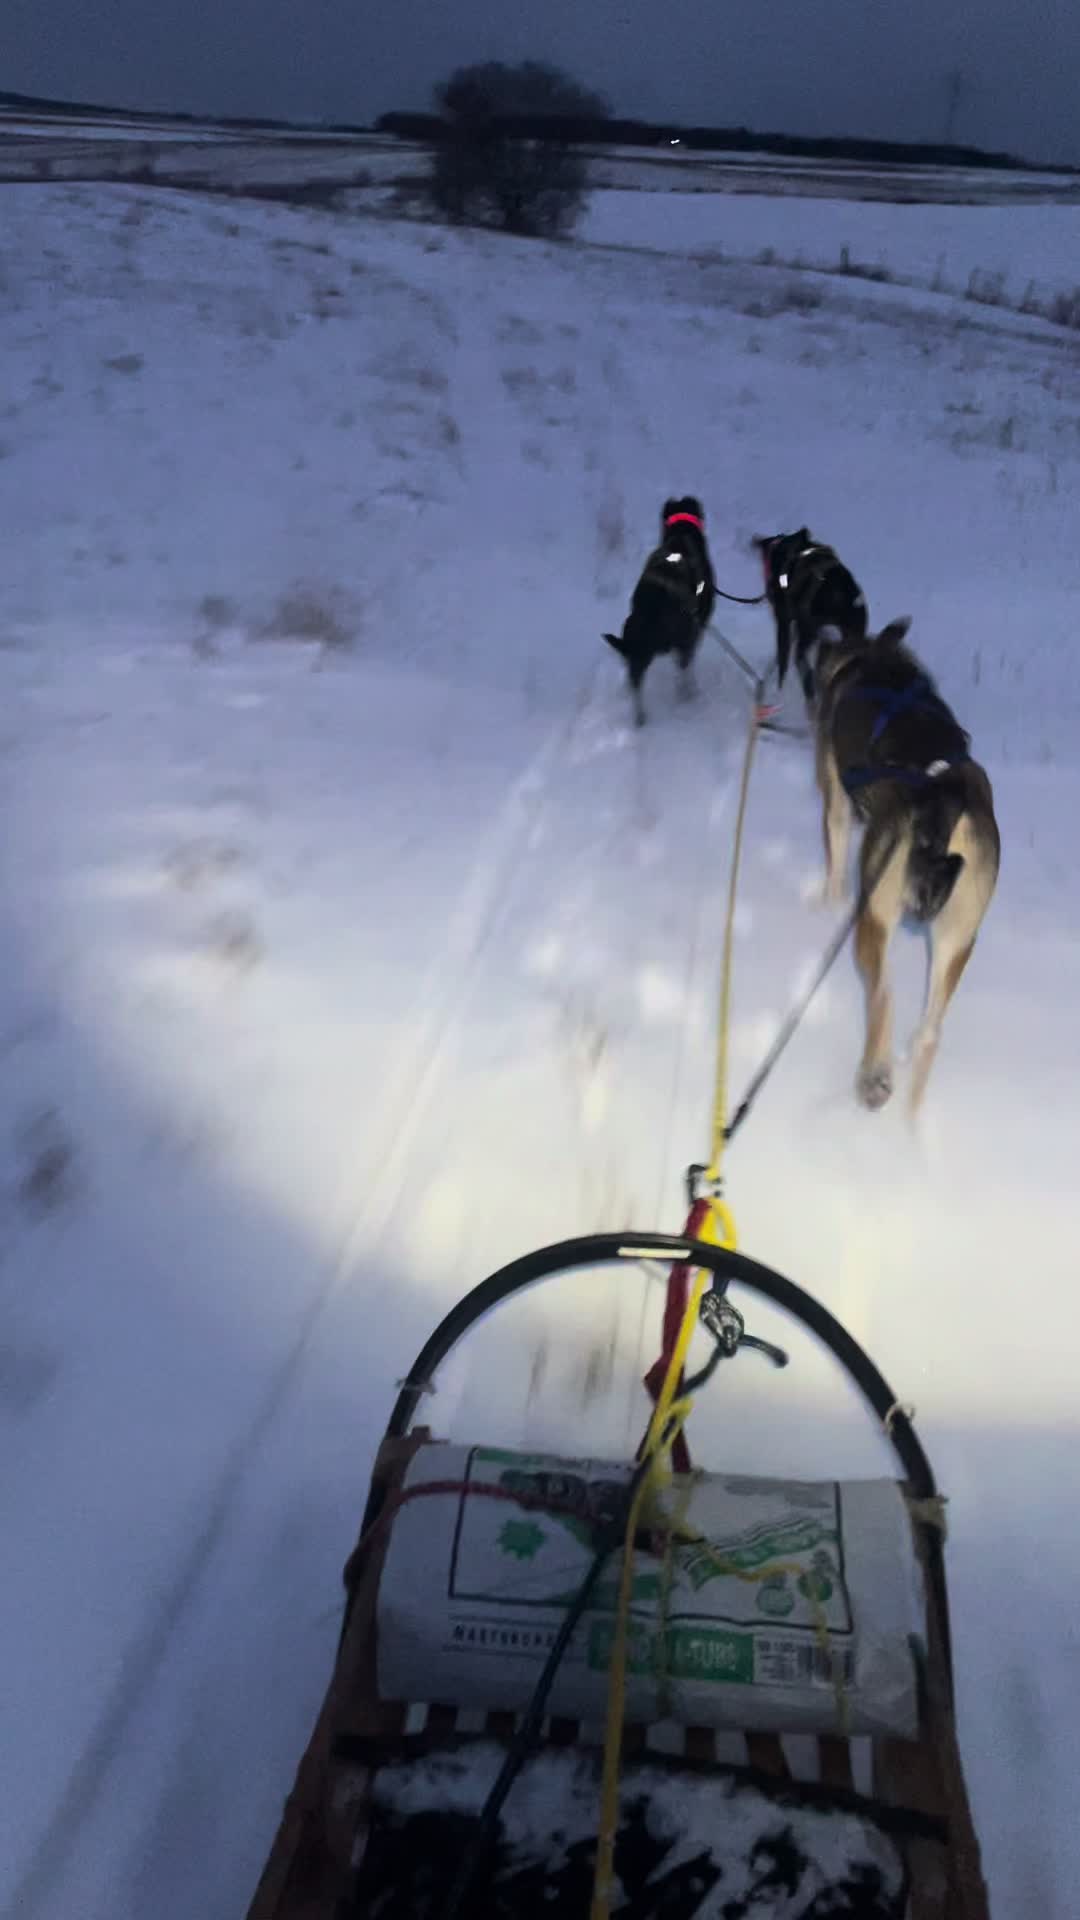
(824,556)
(856,778)
(918,696)
(677,559)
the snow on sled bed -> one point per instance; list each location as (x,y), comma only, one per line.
(689,1847)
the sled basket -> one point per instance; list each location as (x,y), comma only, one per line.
(814,1807)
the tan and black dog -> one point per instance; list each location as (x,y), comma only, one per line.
(673,600)
(890,753)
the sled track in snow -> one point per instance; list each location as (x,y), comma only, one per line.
(450,983)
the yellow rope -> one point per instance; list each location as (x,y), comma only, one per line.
(727,963)
(676,1533)
(669,1415)
(668,1418)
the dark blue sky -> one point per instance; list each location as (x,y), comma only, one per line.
(840,66)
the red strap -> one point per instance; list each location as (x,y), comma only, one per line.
(690,518)
(678,1293)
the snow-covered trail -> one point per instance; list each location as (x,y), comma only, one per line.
(296,1200)
(264,914)
(338,977)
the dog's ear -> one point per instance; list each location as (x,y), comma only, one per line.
(669,507)
(803,536)
(892,635)
(691,504)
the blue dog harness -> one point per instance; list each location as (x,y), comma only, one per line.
(856,778)
(918,696)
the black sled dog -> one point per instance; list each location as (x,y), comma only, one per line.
(673,600)
(814,598)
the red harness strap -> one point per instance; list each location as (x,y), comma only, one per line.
(690,518)
(678,1293)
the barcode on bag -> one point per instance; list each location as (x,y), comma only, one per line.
(802,1663)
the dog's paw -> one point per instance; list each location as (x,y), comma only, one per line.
(874,1085)
(815,891)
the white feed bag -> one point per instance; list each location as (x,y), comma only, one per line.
(794,1610)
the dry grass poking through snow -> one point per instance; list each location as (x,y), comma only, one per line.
(317,615)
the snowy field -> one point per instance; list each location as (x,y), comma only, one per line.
(352,943)
(1011,250)
(89,147)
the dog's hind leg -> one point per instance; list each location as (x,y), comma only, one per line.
(947,963)
(637,676)
(688,687)
(836,825)
(874,928)
(952,942)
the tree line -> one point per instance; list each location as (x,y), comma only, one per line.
(508,145)
(613,131)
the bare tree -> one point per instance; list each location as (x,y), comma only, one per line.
(505,157)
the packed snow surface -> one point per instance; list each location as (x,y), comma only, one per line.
(354,943)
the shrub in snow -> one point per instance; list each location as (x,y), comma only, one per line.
(504,158)
(1065,308)
(318,615)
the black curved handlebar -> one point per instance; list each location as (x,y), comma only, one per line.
(605,1249)
(599,1249)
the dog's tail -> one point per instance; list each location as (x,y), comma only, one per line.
(932,870)
(783,648)
(616,640)
(933,878)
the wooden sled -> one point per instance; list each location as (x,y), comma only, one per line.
(347,1847)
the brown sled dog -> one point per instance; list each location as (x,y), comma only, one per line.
(890,753)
